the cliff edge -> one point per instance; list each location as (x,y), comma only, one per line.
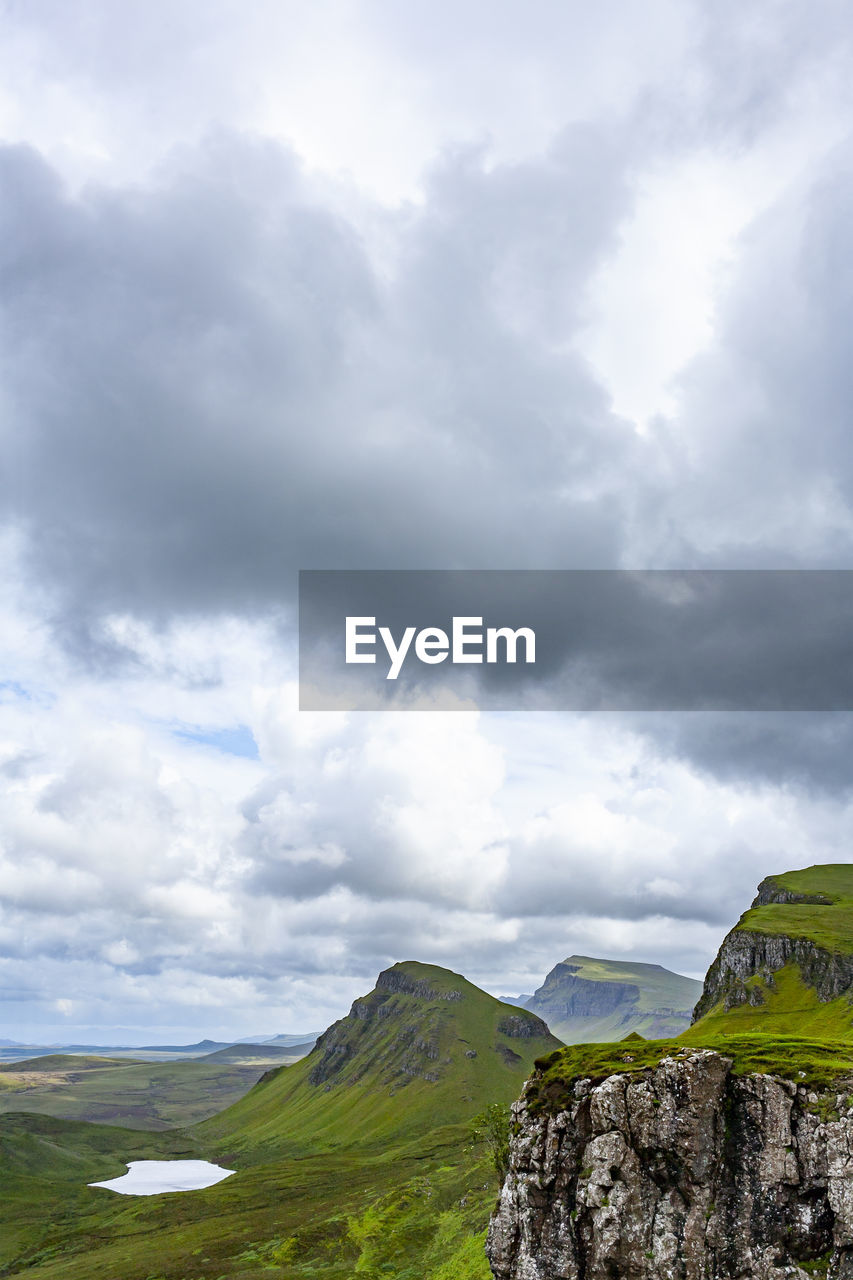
(725,1153)
(684,1170)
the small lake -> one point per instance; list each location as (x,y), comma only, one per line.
(153,1177)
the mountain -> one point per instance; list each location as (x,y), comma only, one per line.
(721,1152)
(585,999)
(425,1049)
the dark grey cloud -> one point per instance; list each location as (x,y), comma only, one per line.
(224,368)
(800,751)
(208,384)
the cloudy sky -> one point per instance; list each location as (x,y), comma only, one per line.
(376,285)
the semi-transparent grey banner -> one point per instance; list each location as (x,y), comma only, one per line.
(610,640)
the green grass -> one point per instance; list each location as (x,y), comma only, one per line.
(368,1173)
(789,1008)
(829,926)
(809,1062)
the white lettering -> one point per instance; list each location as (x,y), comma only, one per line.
(511,637)
(353,639)
(461,638)
(432,645)
(395,653)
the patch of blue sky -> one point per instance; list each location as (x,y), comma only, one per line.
(10,689)
(236,740)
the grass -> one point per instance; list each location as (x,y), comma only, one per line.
(369,1172)
(829,925)
(809,1062)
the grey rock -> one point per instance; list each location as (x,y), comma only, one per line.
(684,1171)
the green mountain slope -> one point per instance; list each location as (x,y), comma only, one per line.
(586,999)
(425,1048)
(787,965)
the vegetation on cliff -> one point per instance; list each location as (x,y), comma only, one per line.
(778,998)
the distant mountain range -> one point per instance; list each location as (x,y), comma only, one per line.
(582,999)
(276,1048)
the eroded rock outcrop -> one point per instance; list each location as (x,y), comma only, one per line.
(683,1171)
(749,957)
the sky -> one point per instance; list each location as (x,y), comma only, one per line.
(370,285)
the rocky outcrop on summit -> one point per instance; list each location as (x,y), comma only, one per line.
(395,979)
(770,892)
(682,1171)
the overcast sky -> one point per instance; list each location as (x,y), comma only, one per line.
(377,285)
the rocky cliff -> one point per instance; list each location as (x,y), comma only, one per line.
(725,1153)
(683,1171)
(756,949)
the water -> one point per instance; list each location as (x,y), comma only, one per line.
(153,1177)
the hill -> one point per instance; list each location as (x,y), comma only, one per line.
(585,999)
(425,1048)
(356,1160)
(787,965)
(261,1054)
(737,1133)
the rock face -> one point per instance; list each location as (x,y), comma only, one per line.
(746,954)
(683,1171)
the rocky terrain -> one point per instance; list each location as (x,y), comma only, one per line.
(723,1154)
(686,1170)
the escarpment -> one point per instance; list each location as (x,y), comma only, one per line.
(746,963)
(724,1153)
(684,1171)
(585,998)
(788,923)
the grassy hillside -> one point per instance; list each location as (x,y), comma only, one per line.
(141,1095)
(789,1007)
(355,1161)
(780,1020)
(424,1048)
(827,922)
